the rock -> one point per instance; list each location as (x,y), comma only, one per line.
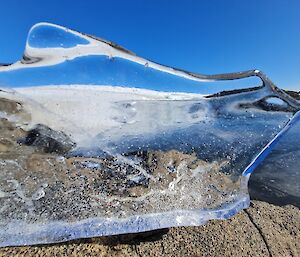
(5,145)
(10,106)
(261,230)
(48,140)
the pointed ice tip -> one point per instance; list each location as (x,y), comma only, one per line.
(47,35)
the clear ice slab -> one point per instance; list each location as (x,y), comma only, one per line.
(97,141)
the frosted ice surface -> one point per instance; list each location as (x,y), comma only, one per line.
(98,141)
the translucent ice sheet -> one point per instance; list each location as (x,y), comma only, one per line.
(98,141)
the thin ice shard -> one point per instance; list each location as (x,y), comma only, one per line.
(98,141)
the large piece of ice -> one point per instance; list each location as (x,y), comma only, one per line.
(98,141)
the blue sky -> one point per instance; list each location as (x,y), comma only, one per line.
(201,36)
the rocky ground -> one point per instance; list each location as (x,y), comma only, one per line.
(261,230)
